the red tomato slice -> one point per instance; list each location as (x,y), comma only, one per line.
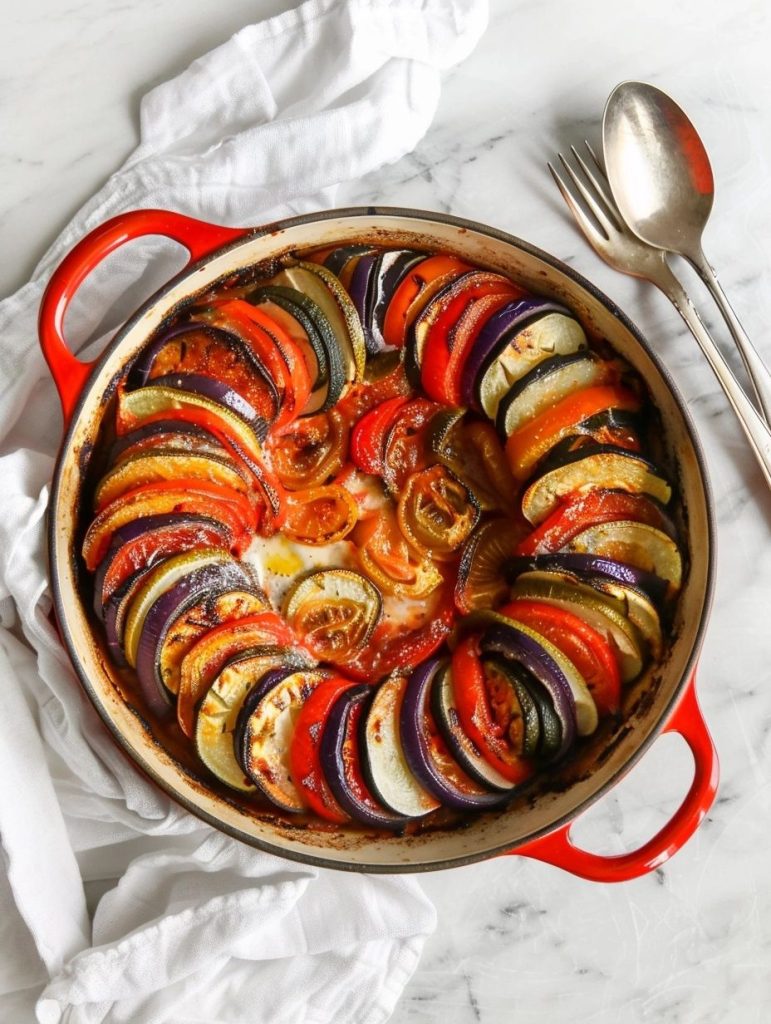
(406,300)
(320,515)
(195,496)
(579,511)
(304,752)
(405,450)
(589,651)
(455,321)
(310,450)
(464,336)
(368,436)
(476,716)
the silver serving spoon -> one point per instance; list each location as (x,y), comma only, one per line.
(661,179)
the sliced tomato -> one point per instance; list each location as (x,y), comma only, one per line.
(205,660)
(364,395)
(310,451)
(539,435)
(473,451)
(452,335)
(584,509)
(405,446)
(200,350)
(476,714)
(160,542)
(321,515)
(389,561)
(195,496)
(391,649)
(368,435)
(417,288)
(589,650)
(304,752)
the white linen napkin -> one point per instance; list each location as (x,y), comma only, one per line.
(199,927)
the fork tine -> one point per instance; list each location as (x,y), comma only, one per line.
(602,218)
(599,183)
(588,227)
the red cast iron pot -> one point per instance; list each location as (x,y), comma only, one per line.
(662,700)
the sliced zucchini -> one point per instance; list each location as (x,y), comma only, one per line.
(636,544)
(517,675)
(267,737)
(481,581)
(553,334)
(385,766)
(592,466)
(638,608)
(545,385)
(218,714)
(333,612)
(166,464)
(601,611)
(323,288)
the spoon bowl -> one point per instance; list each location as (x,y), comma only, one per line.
(661,180)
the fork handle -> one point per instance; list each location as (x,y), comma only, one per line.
(758,372)
(752,424)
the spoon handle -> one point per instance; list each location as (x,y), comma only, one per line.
(758,372)
(752,424)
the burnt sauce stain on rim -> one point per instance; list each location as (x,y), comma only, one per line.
(92,407)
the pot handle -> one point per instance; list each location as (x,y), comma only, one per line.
(197,236)
(557,847)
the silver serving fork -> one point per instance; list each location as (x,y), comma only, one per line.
(588,190)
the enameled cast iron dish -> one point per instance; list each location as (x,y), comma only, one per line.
(662,699)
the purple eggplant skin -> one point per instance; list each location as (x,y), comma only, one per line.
(215,390)
(149,524)
(156,429)
(360,291)
(496,333)
(334,739)
(338,258)
(512,643)
(143,365)
(543,369)
(207,581)
(261,688)
(115,614)
(390,270)
(587,566)
(417,752)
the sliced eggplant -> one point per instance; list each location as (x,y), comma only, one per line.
(445,711)
(593,466)
(339,257)
(636,544)
(512,343)
(391,268)
(360,291)
(340,753)
(589,568)
(427,753)
(602,612)
(158,581)
(385,766)
(170,433)
(265,736)
(215,391)
(545,385)
(218,714)
(333,612)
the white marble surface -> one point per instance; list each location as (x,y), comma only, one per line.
(518,940)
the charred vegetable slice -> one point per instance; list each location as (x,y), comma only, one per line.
(310,451)
(321,515)
(600,611)
(268,731)
(164,464)
(436,512)
(482,582)
(390,562)
(445,711)
(385,766)
(546,385)
(333,612)
(218,714)
(594,466)
(637,544)
(341,758)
